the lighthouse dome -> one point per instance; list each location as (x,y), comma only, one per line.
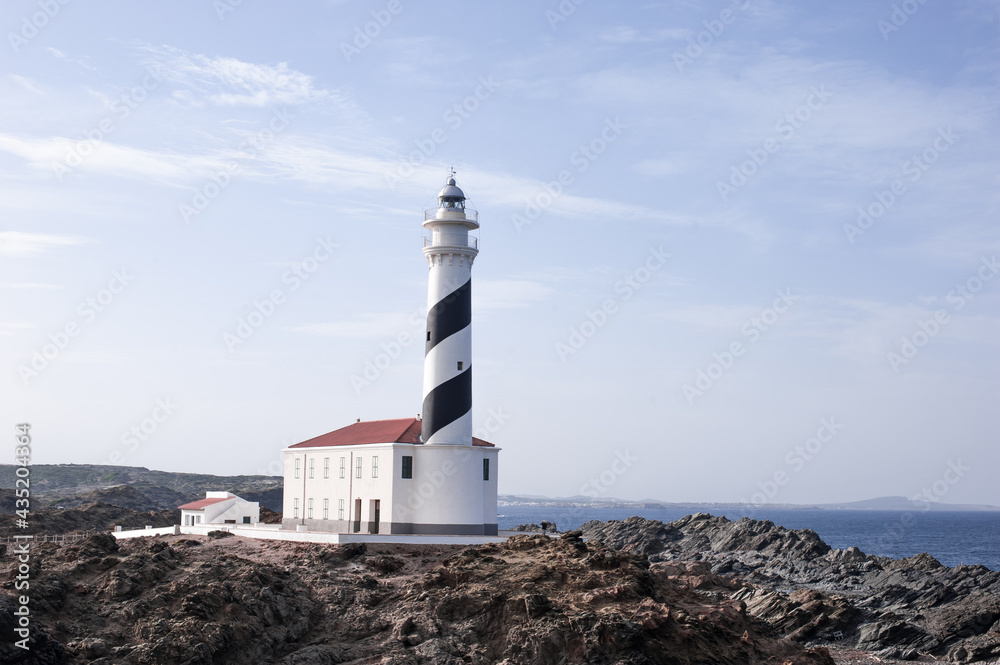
(451,192)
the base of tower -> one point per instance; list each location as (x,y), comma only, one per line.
(444,529)
(395,528)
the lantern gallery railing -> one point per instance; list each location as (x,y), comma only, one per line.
(451,240)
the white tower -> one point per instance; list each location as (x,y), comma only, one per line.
(450,251)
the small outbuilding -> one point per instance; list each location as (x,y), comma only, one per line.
(220,508)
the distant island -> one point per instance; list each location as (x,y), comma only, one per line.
(880,503)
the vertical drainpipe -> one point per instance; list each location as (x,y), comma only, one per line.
(304,472)
(350,493)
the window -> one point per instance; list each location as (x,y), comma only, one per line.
(295,508)
(246,519)
(326,467)
(343,462)
(459,365)
(375,466)
(486,469)
(297,463)
(357,468)
(309,509)
(428,335)
(312,467)
(407,466)
(326,509)
(340,509)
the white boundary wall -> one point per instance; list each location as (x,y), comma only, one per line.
(274,532)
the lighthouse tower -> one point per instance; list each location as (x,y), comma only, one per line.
(450,251)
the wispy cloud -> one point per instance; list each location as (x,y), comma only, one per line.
(29,285)
(372,325)
(701,318)
(113,159)
(230,82)
(18,243)
(68,58)
(10,329)
(26,83)
(502,188)
(623,35)
(506,294)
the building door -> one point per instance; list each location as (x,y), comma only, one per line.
(375,510)
(357,515)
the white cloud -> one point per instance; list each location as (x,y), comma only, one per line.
(372,325)
(504,294)
(29,285)
(230,82)
(10,329)
(711,317)
(519,192)
(624,35)
(64,56)
(111,158)
(658,168)
(26,83)
(296,158)
(303,159)
(17,243)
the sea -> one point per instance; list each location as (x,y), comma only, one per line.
(952,538)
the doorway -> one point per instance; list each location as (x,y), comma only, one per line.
(375,510)
(357,515)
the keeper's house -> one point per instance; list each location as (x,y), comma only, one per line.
(220,508)
(378,477)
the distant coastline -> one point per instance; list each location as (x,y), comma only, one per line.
(881,503)
(58,481)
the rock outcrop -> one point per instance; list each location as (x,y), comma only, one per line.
(544,527)
(532,600)
(814,594)
(268,516)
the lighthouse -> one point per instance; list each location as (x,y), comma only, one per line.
(411,476)
(450,251)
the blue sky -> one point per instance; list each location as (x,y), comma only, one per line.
(728,251)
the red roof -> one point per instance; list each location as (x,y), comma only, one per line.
(398,430)
(198,505)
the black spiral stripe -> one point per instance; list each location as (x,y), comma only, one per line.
(451,399)
(447,403)
(450,315)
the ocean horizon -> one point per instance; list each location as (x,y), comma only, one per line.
(952,537)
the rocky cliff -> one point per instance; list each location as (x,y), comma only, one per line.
(806,591)
(72,485)
(532,600)
(90,517)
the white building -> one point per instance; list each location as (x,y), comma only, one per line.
(411,476)
(377,477)
(220,508)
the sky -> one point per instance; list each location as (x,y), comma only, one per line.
(729,251)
